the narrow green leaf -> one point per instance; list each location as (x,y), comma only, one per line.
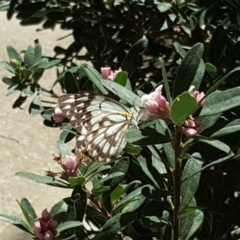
(35,106)
(37,74)
(123,93)
(17,222)
(42,179)
(29,56)
(132,59)
(210,68)
(145,137)
(114,224)
(8,67)
(183,106)
(132,149)
(7,80)
(12,89)
(229,128)
(60,207)
(217,144)
(95,77)
(189,187)
(63,149)
(13,54)
(51,63)
(70,83)
(37,53)
(188,69)
(28,211)
(221,101)
(67,225)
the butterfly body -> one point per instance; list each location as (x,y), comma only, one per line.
(100,122)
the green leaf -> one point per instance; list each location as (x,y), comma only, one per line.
(67,225)
(35,106)
(188,69)
(121,189)
(183,106)
(162,128)
(133,200)
(17,222)
(29,56)
(210,68)
(12,89)
(42,179)
(221,101)
(190,186)
(189,224)
(58,208)
(121,78)
(133,59)
(145,137)
(75,181)
(229,128)
(70,83)
(145,168)
(67,133)
(37,53)
(7,80)
(51,63)
(163,6)
(132,149)
(216,144)
(13,54)
(120,166)
(8,67)
(155,193)
(28,90)
(123,93)
(95,77)
(114,224)
(154,222)
(28,211)
(26,73)
(218,45)
(37,74)
(63,149)
(78,205)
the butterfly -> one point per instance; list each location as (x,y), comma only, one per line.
(100,122)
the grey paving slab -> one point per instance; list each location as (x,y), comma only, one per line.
(25,144)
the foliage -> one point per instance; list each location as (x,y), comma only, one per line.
(166,185)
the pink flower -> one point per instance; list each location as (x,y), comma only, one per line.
(45,228)
(156,104)
(109,74)
(71,162)
(191,127)
(198,95)
(58,116)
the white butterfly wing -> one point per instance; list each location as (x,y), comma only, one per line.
(101,123)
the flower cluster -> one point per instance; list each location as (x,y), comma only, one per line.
(156,104)
(158,107)
(45,227)
(69,164)
(108,74)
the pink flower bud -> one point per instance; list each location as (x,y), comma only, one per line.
(191,127)
(156,104)
(58,116)
(71,162)
(46,215)
(198,95)
(108,74)
(48,235)
(37,227)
